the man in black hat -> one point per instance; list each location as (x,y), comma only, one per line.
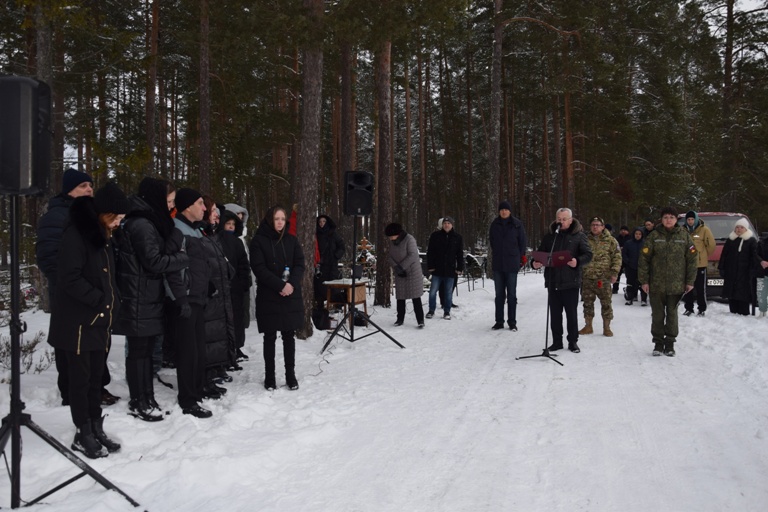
(50,229)
(445,261)
(508,245)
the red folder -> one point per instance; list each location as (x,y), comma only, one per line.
(559,258)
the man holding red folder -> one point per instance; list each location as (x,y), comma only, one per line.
(562,276)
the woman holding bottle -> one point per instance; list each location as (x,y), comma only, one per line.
(278,264)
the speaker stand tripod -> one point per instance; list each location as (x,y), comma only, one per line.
(11,427)
(352,311)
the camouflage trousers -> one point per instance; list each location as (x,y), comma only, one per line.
(664,328)
(592,289)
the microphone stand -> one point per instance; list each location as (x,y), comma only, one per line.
(546,353)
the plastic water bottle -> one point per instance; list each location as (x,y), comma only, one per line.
(286,274)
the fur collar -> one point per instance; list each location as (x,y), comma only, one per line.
(744,236)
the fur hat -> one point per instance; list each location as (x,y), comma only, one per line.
(393,229)
(186,197)
(72,178)
(742,222)
(504,205)
(111,199)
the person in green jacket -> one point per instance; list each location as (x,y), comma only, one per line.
(667,271)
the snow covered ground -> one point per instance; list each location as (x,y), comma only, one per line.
(453,422)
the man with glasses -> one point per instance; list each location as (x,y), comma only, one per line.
(666,271)
(599,276)
(563,282)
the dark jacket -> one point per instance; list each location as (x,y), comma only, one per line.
(50,229)
(738,266)
(331,248)
(445,253)
(220,338)
(508,244)
(192,284)
(270,254)
(142,259)
(762,251)
(86,291)
(630,253)
(573,240)
(240,284)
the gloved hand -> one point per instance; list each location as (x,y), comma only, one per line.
(212,291)
(185,310)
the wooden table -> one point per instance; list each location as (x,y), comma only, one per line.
(346,285)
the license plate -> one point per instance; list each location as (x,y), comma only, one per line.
(714,282)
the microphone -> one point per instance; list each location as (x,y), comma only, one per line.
(558,224)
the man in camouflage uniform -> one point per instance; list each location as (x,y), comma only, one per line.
(667,270)
(599,275)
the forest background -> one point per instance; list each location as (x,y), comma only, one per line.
(611,107)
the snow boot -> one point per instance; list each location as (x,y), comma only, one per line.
(289,353)
(98,432)
(669,348)
(140,409)
(149,384)
(607,328)
(658,349)
(86,443)
(587,329)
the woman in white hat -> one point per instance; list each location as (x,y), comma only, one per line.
(738,265)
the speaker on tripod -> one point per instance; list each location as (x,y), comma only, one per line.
(358,193)
(25,160)
(25,136)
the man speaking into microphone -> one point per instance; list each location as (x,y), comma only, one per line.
(563,282)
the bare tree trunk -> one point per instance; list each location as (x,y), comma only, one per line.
(569,185)
(151,104)
(309,163)
(383,94)
(495,115)
(411,215)
(205,101)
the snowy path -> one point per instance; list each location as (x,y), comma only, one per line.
(451,423)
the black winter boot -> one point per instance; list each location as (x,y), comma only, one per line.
(269,365)
(98,432)
(142,410)
(86,443)
(149,384)
(289,353)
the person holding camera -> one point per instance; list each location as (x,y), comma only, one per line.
(409,281)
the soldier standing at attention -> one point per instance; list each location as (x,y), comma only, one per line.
(667,270)
(599,275)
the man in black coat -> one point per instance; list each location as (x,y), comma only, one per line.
(143,259)
(189,290)
(508,245)
(445,261)
(563,282)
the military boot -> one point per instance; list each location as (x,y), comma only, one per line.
(587,329)
(607,328)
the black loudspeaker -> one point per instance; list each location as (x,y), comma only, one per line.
(25,136)
(358,193)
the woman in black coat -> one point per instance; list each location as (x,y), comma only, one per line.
(278,264)
(738,267)
(228,236)
(144,256)
(331,249)
(85,304)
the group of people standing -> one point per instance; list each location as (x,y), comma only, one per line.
(170,271)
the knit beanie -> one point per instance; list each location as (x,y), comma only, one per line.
(186,197)
(111,199)
(448,219)
(72,178)
(504,205)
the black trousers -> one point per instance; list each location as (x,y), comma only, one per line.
(190,356)
(418,310)
(568,301)
(289,352)
(85,371)
(740,307)
(699,290)
(633,285)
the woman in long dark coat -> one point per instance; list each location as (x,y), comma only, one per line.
(331,249)
(409,278)
(278,264)
(738,267)
(85,304)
